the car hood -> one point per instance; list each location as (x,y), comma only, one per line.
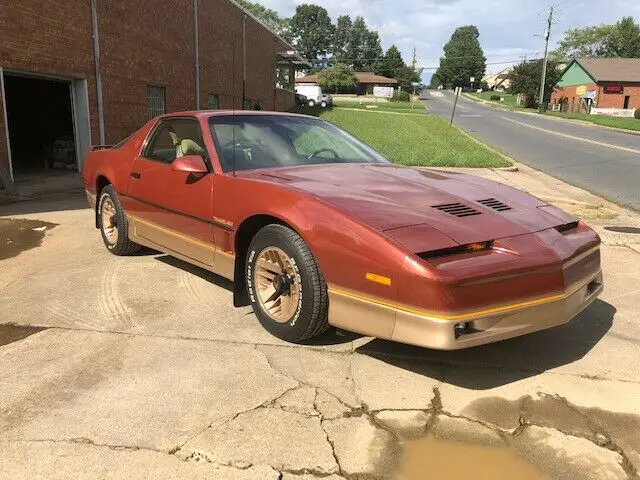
(463,207)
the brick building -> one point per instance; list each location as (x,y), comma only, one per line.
(80,72)
(600,83)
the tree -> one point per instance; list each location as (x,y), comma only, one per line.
(340,76)
(525,79)
(623,39)
(269,17)
(406,76)
(371,51)
(582,42)
(341,38)
(391,61)
(312,31)
(619,40)
(355,46)
(463,58)
(436,81)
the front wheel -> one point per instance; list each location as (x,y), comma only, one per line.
(324,104)
(287,290)
(312,103)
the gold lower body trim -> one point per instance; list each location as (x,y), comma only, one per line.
(181,246)
(357,314)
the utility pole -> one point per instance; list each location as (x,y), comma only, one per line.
(414,62)
(544,62)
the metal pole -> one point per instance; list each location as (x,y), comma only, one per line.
(197,49)
(6,182)
(544,63)
(244,59)
(455,103)
(96,55)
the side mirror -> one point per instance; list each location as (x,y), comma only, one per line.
(193,164)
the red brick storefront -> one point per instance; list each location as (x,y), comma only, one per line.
(609,82)
(142,43)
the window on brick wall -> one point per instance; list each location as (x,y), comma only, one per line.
(156,97)
(213,101)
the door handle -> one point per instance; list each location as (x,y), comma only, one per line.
(135,175)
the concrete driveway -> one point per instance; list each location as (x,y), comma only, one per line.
(141,367)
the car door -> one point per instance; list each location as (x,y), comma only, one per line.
(168,208)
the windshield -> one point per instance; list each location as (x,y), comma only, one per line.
(246,142)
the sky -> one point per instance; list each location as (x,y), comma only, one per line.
(508,28)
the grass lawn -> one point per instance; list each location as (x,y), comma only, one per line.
(617,122)
(418,107)
(415,140)
(509,98)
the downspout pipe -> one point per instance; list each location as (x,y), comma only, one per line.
(196,43)
(96,56)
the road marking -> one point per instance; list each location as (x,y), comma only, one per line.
(469,115)
(574,137)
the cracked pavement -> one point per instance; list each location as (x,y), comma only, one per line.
(140,366)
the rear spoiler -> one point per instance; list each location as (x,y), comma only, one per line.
(100,147)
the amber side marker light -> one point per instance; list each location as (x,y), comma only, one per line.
(372,277)
(469,248)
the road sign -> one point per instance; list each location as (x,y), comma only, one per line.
(383,92)
(472,79)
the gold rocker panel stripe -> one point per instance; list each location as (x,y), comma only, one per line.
(179,235)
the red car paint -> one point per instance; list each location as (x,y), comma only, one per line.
(359,218)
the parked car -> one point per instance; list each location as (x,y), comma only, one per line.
(312,92)
(315,228)
(326,101)
(301,99)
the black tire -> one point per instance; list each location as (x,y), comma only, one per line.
(323,104)
(122,246)
(311,103)
(311,315)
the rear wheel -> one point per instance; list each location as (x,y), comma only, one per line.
(323,104)
(312,103)
(286,288)
(113,224)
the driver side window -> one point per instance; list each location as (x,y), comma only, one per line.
(175,138)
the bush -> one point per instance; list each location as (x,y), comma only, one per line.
(495,98)
(401,96)
(637,113)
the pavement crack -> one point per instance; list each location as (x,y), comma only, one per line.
(85,441)
(331,445)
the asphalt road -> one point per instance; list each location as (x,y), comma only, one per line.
(605,162)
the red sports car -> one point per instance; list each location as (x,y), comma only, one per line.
(317,229)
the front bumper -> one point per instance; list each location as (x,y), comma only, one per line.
(368,316)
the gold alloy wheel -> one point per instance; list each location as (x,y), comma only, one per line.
(108,216)
(277,284)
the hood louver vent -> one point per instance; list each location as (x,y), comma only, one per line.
(457,209)
(495,204)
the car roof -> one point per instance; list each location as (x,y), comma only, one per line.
(219,113)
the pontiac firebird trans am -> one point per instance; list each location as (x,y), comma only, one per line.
(315,229)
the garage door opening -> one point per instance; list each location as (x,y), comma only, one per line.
(40,125)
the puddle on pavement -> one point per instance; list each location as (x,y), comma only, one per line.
(10,333)
(433,458)
(20,235)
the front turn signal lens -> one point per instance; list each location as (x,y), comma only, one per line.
(469,248)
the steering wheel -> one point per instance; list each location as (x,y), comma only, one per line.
(240,144)
(318,152)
